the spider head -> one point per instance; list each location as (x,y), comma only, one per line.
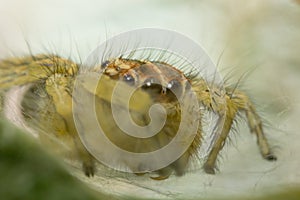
(162,81)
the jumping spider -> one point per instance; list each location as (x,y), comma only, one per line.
(45,84)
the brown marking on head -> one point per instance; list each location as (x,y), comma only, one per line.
(160,79)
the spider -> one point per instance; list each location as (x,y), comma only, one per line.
(43,104)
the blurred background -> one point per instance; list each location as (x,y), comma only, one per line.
(261,37)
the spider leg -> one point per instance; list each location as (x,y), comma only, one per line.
(57,88)
(31,69)
(235,102)
(228,117)
(162,174)
(254,122)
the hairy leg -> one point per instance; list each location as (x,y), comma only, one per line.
(222,132)
(235,102)
(254,122)
(60,89)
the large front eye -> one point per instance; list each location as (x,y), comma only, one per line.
(175,86)
(129,79)
(151,84)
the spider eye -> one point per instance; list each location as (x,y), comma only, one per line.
(175,86)
(104,64)
(128,79)
(149,82)
(152,85)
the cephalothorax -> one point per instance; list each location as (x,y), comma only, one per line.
(47,82)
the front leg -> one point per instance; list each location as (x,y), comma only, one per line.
(222,131)
(59,88)
(254,122)
(235,102)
